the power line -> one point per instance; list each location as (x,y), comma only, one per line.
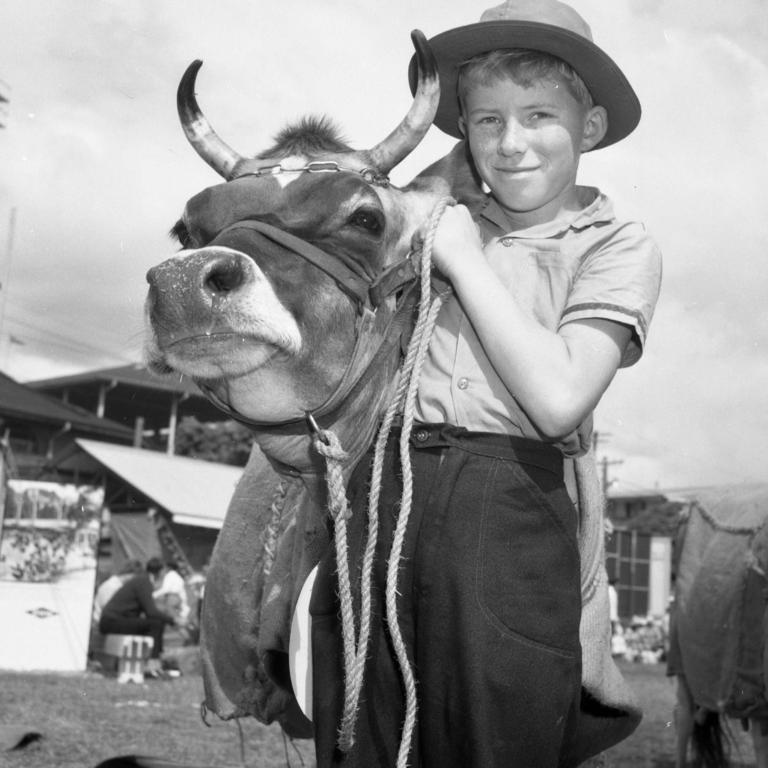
(60,340)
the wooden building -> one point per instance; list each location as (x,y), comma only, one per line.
(151,406)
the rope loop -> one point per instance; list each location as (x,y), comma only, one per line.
(327,444)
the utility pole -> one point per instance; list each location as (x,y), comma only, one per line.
(605,462)
(5,98)
(5,338)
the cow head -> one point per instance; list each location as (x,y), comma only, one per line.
(281,265)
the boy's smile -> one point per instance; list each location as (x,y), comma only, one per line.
(526,143)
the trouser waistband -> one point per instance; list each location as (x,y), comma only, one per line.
(494,444)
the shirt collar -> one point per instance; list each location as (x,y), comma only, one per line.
(597,208)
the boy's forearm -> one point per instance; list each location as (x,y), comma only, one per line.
(557,378)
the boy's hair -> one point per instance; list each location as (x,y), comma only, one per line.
(524,67)
(154,565)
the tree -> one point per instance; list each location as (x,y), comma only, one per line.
(225,442)
(660,519)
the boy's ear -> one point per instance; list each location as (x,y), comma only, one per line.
(462,126)
(595,126)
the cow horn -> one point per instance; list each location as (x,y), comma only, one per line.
(406,137)
(219,155)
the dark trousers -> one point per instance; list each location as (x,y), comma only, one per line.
(135,625)
(489,607)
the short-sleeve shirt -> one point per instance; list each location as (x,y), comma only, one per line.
(585,266)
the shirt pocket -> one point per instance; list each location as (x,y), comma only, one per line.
(540,279)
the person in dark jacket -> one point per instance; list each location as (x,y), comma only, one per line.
(132,611)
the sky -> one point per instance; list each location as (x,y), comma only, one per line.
(94,169)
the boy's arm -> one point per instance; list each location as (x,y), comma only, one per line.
(557,377)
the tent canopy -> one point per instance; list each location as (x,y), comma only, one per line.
(194,492)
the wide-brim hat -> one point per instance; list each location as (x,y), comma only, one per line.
(540,25)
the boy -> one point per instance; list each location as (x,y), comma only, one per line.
(551,295)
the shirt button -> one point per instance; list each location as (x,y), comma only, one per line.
(462,383)
(422,435)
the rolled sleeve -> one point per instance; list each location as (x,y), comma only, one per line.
(619,280)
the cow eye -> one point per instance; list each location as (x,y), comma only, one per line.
(180,232)
(368,219)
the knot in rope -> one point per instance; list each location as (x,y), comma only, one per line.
(327,444)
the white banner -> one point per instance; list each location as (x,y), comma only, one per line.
(48,549)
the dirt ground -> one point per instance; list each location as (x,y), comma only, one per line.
(85,718)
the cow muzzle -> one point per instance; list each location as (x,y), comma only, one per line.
(213,312)
(208,277)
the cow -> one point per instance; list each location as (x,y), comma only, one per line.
(718,623)
(290,267)
(290,305)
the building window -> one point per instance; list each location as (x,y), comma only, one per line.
(628,559)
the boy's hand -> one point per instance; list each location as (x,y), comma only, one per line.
(457,243)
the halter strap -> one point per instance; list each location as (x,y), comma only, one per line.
(370,344)
(364,290)
(371,175)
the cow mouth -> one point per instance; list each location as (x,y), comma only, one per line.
(213,355)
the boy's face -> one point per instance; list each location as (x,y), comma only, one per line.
(526,143)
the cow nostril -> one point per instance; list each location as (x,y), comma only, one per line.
(224,276)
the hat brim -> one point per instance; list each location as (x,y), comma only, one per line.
(606,82)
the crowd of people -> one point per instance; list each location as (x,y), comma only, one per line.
(643,639)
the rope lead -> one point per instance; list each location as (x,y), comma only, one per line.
(327,444)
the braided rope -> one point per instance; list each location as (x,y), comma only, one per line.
(357,673)
(420,343)
(327,444)
(273,528)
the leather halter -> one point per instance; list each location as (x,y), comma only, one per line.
(370,345)
(359,286)
(371,175)
(367,293)
(355,283)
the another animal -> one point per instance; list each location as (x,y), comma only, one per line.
(718,643)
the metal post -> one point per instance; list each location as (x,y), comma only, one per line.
(173,419)
(5,338)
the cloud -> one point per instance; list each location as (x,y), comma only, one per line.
(98,169)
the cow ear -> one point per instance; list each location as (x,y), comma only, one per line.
(457,170)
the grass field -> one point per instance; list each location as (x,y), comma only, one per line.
(87,718)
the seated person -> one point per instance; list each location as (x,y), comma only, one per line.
(132,611)
(109,586)
(171,595)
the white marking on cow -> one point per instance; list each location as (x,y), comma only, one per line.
(294,162)
(254,312)
(182,254)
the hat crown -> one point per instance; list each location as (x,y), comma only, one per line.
(541,12)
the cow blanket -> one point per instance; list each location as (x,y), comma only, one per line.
(718,626)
